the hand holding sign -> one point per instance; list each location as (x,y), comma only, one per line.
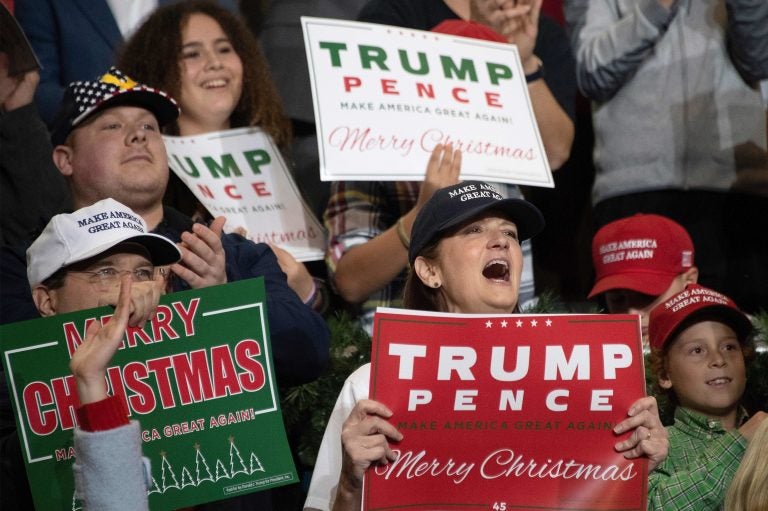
(443,170)
(649,438)
(365,438)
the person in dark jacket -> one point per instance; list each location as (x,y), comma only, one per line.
(107,144)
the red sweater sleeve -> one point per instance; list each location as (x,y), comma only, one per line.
(101,415)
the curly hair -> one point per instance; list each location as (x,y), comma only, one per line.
(152,55)
(659,357)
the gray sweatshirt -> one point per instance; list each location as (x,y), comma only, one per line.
(109,473)
(672,109)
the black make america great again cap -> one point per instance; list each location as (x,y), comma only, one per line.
(452,205)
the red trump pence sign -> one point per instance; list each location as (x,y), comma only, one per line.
(507,412)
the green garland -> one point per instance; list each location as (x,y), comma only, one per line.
(306,408)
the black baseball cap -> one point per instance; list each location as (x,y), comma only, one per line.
(452,205)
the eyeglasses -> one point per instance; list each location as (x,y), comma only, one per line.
(110,277)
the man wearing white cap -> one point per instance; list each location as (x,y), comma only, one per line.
(80,261)
(107,143)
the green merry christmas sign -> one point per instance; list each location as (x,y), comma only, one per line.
(199,378)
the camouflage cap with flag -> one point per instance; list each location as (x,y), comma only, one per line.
(84,98)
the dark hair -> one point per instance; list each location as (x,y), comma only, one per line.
(659,357)
(419,296)
(151,56)
(56,280)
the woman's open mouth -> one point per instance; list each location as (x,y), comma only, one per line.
(497,270)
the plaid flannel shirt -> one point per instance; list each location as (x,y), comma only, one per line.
(702,461)
(358,211)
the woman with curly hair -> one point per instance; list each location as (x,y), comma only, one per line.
(209,61)
(207,58)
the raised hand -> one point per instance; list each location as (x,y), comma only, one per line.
(443,170)
(90,360)
(517,20)
(16,91)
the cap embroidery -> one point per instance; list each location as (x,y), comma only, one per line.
(471,191)
(695,295)
(616,251)
(115,77)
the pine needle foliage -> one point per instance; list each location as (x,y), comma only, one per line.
(306,408)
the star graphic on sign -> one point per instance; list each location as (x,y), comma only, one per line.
(548,322)
(534,322)
(488,324)
(519,323)
(504,324)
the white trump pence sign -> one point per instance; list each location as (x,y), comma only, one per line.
(385,96)
(240,174)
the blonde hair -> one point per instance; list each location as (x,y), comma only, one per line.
(749,489)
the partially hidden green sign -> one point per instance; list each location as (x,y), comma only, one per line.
(199,378)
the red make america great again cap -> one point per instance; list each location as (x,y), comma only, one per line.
(643,253)
(694,303)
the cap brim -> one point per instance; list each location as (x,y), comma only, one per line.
(647,283)
(735,319)
(527,217)
(161,250)
(161,106)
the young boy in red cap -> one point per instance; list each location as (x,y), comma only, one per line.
(700,345)
(640,261)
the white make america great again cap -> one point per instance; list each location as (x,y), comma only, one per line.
(73,237)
